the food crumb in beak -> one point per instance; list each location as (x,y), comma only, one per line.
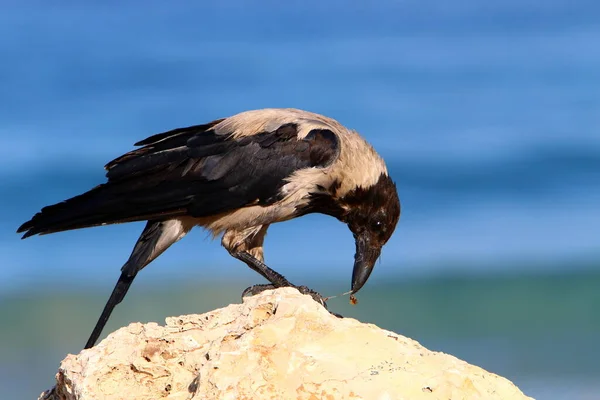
(353,300)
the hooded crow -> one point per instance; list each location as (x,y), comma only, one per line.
(234,177)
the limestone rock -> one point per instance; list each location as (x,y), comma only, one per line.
(276,345)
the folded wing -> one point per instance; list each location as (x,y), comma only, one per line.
(191,171)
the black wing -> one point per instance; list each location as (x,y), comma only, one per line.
(190,171)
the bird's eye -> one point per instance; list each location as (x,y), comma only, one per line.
(377,225)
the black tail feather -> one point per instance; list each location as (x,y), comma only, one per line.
(103,205)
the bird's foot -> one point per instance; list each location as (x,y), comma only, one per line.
(315,295)
(256,289)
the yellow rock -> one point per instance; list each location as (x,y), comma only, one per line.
(276,345)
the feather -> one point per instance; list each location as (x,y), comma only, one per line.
(192,171)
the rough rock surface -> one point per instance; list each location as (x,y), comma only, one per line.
(276,345)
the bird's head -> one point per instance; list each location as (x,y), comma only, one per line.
(371,214)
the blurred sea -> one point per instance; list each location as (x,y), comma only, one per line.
(488,115)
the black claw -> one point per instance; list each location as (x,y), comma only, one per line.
(256,289)
(277,280)
(315,295)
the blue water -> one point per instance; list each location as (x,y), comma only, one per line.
(488,114)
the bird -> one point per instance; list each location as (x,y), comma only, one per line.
(235,177)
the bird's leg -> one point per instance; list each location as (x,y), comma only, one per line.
(115,298)
(271,275)
(156,238)
(277,280)
(246,245)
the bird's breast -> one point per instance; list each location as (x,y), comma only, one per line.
(246,217)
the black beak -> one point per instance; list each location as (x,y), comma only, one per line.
(364,260)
